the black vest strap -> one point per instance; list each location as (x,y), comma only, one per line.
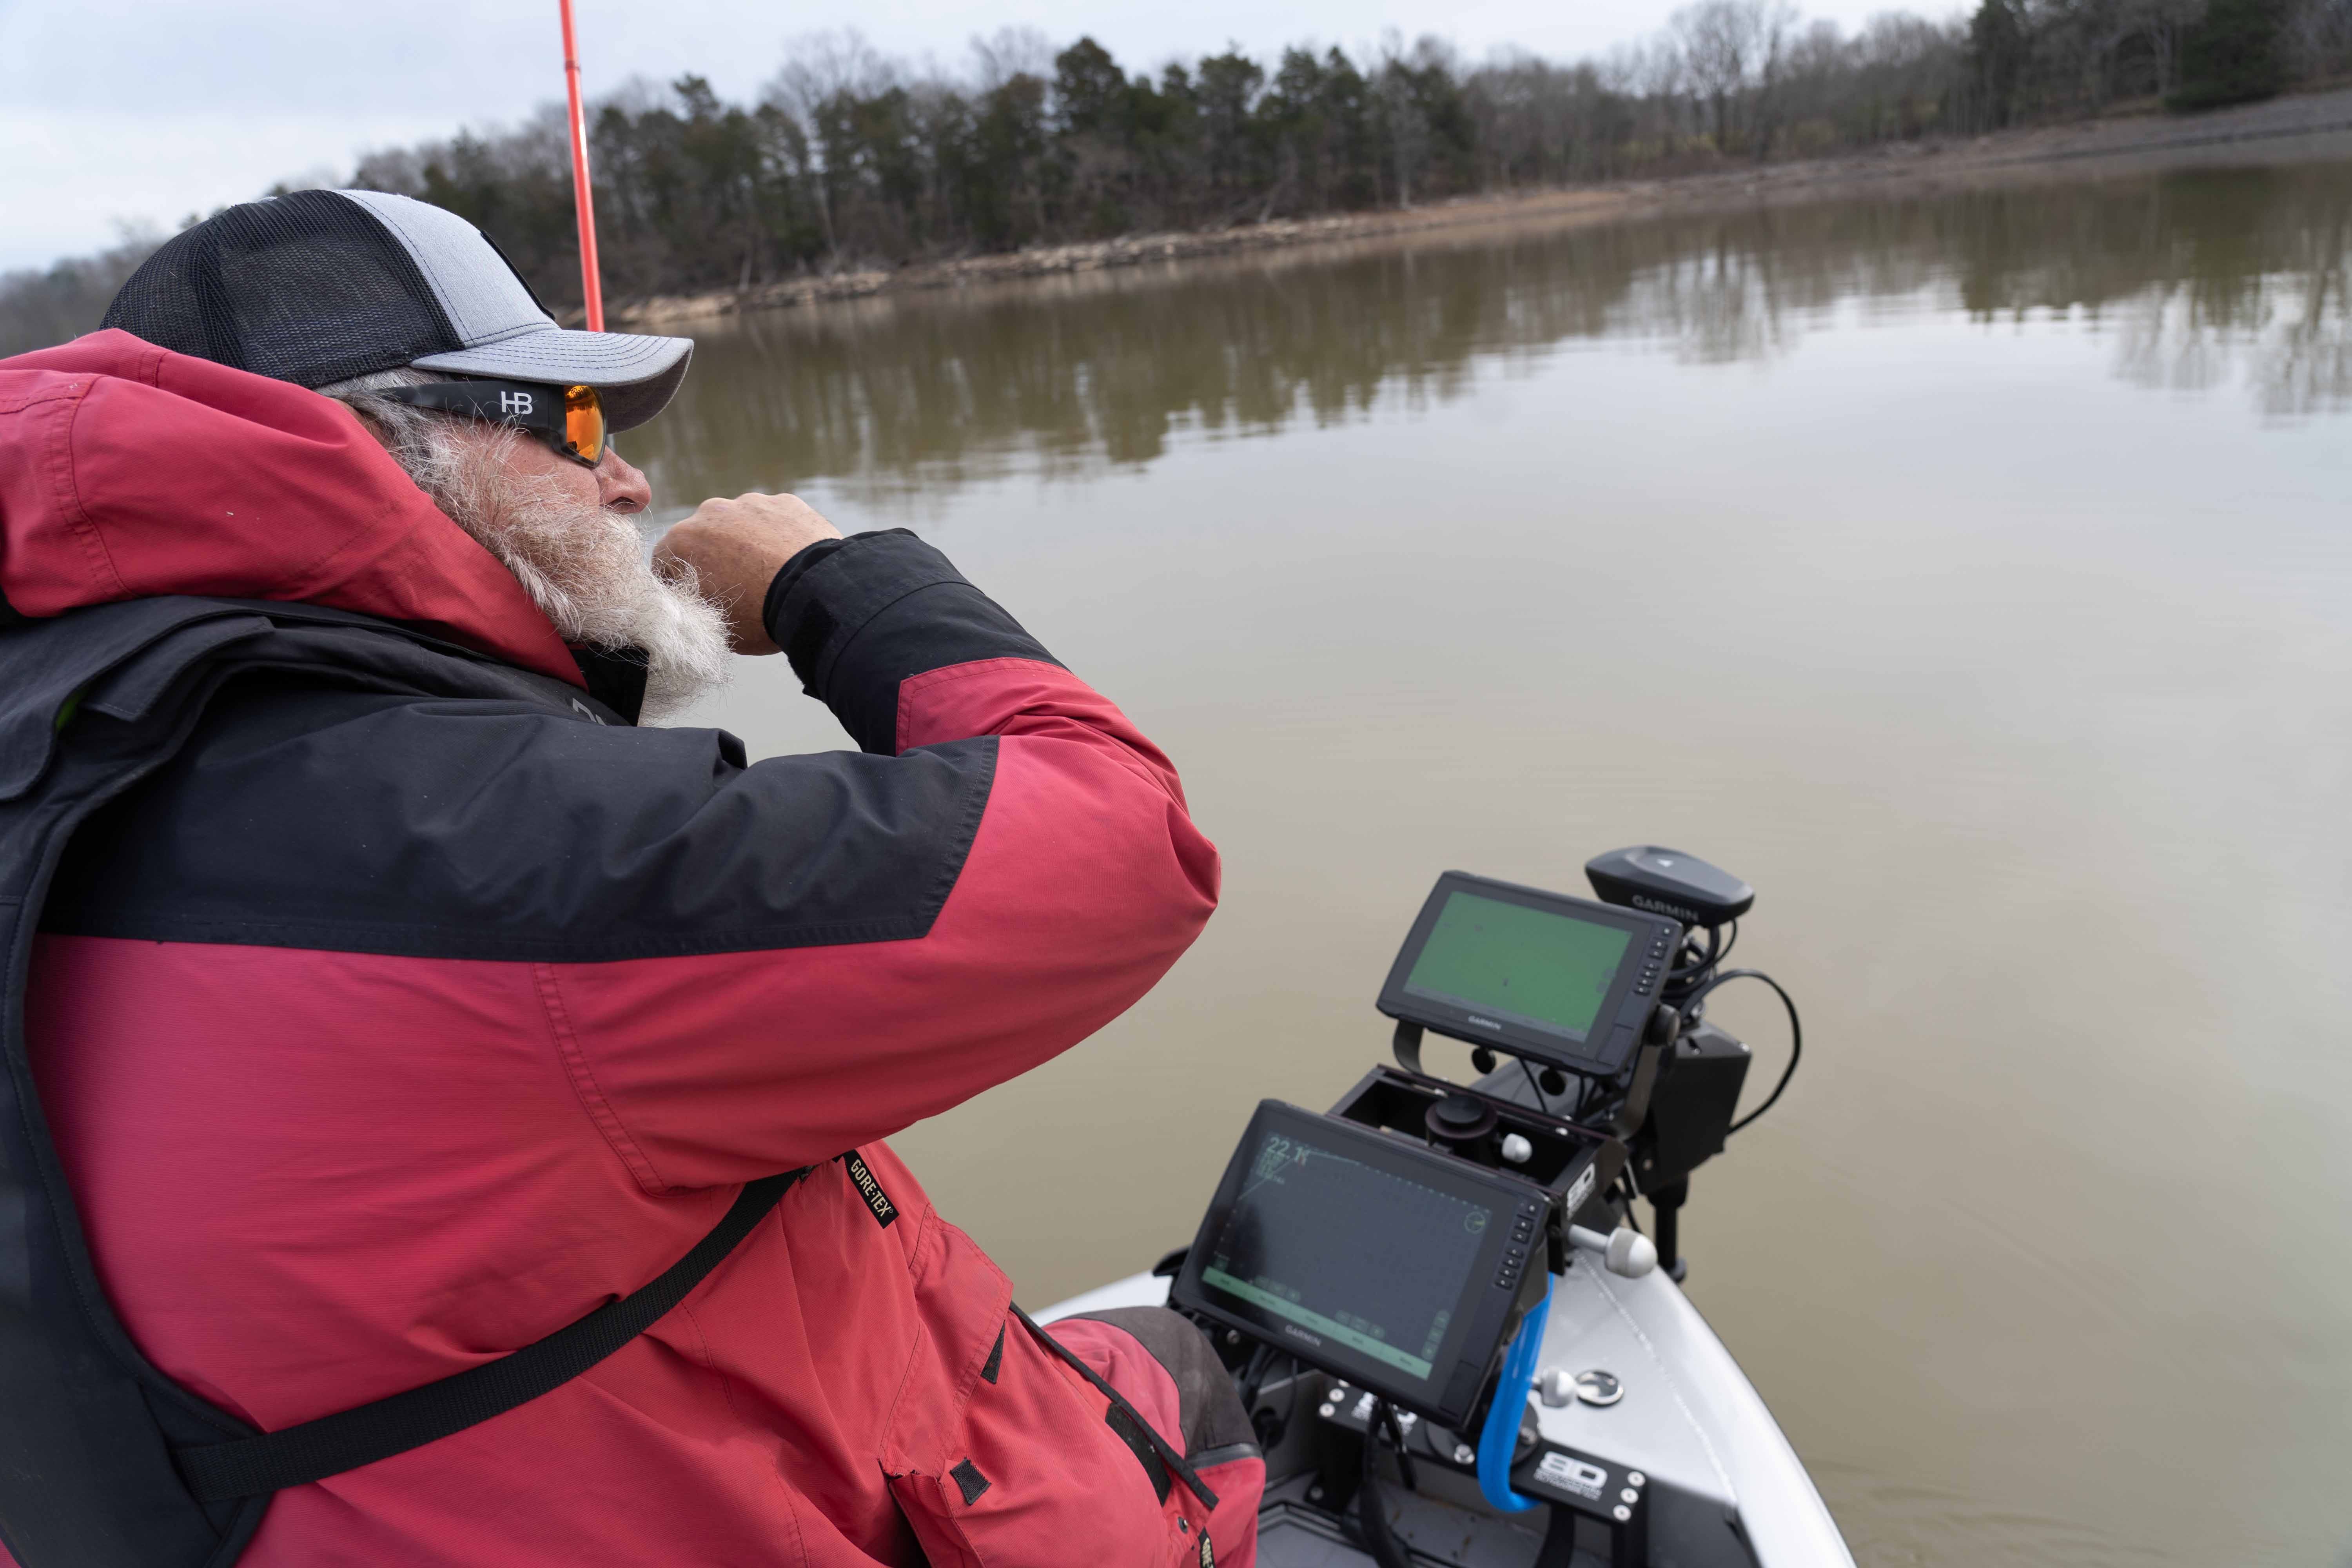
(348,1439)
(1135,1426)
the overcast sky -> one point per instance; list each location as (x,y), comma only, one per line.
(131,111)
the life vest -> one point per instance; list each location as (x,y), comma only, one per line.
(103,1459)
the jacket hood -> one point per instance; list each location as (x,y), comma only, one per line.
(130,472)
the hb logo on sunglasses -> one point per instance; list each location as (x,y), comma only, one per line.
(514,402)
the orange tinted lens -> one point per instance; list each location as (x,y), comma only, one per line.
(584,422)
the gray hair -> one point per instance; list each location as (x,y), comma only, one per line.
(461,464)
(432,449)
(582,565)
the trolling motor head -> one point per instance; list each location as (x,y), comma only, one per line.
(1668,882)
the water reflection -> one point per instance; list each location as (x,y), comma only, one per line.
(2199,276)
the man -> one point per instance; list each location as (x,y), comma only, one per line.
(415,1003)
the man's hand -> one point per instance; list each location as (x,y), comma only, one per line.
(735,549)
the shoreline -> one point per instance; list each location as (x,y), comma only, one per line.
(2137,142)
(1129,251)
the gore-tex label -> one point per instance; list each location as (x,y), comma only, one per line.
(884,1211)
(1557,1469)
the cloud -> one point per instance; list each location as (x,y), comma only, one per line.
(71,181)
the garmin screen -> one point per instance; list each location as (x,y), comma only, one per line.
(1519,965)
(1349,1252)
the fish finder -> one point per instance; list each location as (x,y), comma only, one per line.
(1399,1268)
(1562,982)
(1397,1252)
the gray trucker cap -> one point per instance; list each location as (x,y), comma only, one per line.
(320,286)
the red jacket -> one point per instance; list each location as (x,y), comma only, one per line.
(382,1034)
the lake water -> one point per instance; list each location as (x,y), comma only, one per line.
(1972,575)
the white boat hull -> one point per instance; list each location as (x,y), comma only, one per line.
(1727,1487)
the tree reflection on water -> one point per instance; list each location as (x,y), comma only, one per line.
(2199,277)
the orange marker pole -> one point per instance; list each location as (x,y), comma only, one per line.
(591,286)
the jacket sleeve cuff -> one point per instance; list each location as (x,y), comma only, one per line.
(858,615)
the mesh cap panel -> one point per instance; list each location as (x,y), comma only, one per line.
(308,288)
(320,286)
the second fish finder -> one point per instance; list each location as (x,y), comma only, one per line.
(1561,981)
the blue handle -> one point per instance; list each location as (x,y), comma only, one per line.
(1499,1441)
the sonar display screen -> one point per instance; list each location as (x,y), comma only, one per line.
(1348,1251)
(1526,966)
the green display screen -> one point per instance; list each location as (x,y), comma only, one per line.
(1519,965)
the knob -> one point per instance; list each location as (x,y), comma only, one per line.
(1460,1120)
(1556,1388)
(1516,1149)
(1631,1253)
(1624,1250)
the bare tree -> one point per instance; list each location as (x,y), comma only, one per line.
(818,69)
(1728,48)
(819,65)
(1716,49)
(1400,117)
(1009,52)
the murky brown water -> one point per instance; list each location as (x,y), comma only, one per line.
(1973,576)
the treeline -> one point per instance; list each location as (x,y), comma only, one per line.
(2027,60)
(849,158)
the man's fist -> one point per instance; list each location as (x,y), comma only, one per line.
(735,549)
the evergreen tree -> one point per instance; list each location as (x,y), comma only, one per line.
(1997,55)
(2234,56)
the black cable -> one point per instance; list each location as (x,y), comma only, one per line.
(1253,1375)
(1396,1435)
(1371,1519)
(1702,959)
(1630,1195)
(1541,1103)
(1796,1032)
(1559,1549)
(1269,1426)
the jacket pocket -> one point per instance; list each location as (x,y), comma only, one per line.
(1001,1456)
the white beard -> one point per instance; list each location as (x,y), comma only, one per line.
(583,566)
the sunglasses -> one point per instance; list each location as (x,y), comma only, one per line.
(571,419)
